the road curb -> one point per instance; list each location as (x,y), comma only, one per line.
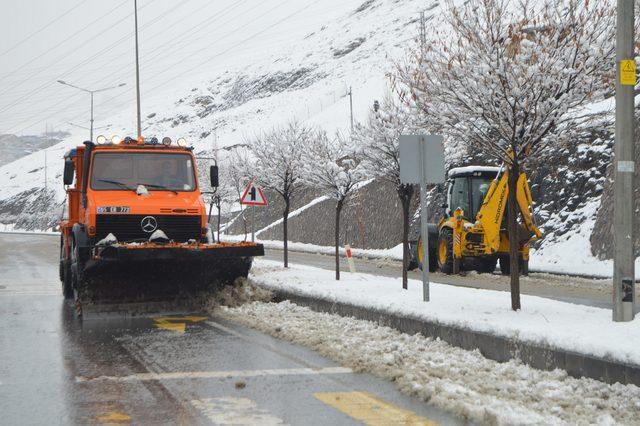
(497,348)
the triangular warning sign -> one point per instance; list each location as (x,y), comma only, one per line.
(253,196)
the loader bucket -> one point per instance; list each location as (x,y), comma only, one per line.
(145,278)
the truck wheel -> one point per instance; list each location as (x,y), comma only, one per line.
(433,261)
(76,276)
(445,250)
(487,265)
(505,266)
(65,273)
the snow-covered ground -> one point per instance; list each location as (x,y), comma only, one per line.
(578,328)
(459,381)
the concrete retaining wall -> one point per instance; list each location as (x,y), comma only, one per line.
(500,349)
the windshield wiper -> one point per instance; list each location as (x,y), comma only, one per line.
(151,185)
(115,182)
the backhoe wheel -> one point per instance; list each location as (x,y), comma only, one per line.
(65,273)
(487,265)
(445,250)
(433,262)
(505,266)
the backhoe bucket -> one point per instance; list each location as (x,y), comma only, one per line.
(145,277)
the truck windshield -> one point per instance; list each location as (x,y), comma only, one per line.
(156,171)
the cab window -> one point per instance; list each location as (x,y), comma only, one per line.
(156,171)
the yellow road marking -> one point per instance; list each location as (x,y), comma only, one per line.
(176,323)
(370,409)
(235,411)
(114,417)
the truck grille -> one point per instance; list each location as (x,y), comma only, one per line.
(128,228)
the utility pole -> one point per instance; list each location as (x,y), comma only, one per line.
(351,105)
(624,297)
(135,5)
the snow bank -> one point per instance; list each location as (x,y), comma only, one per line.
(461,382)
(578,328)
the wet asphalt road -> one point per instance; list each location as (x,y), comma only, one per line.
(180,369)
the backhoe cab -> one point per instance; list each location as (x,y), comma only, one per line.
(472,235)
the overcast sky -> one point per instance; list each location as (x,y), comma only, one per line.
(89,43)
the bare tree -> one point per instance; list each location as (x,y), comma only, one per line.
(278,165)
(379,148)
(510,78)
(331,165)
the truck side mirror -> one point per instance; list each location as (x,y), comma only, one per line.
(213,175)
(69,169)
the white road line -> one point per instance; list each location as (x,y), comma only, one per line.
(216,374)
(235,411)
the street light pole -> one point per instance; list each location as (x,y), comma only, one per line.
(624,297)
(91,93)
(135,5)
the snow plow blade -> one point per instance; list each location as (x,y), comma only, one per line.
(139,278)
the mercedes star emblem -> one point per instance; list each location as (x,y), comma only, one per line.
(149,224)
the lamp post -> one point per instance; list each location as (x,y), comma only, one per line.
(91,92)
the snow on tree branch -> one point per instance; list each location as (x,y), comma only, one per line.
(511,75)
(332,166)
(278,157)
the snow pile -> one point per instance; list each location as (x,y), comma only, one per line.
(159,236)
(242,291)
(450,378)
(578,328)
(108,240)
(142,190)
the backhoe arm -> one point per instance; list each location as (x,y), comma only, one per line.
(525,202)
(492,211)
(494,206)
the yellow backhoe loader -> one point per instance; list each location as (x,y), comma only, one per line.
(473,233)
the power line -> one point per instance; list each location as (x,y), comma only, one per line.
(219,15)
(74,68)
(209,59)
(33,34)
(59,44)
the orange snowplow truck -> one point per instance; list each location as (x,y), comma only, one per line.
(137,230)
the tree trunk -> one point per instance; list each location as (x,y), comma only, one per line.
(514,257)
(337,240)
(285,219)
(405,193)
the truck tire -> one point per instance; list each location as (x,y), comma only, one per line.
(505,266)
(432,256)
(445,250)
(65,273)
(487,265)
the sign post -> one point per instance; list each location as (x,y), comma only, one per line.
(422,162)
(253,196)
